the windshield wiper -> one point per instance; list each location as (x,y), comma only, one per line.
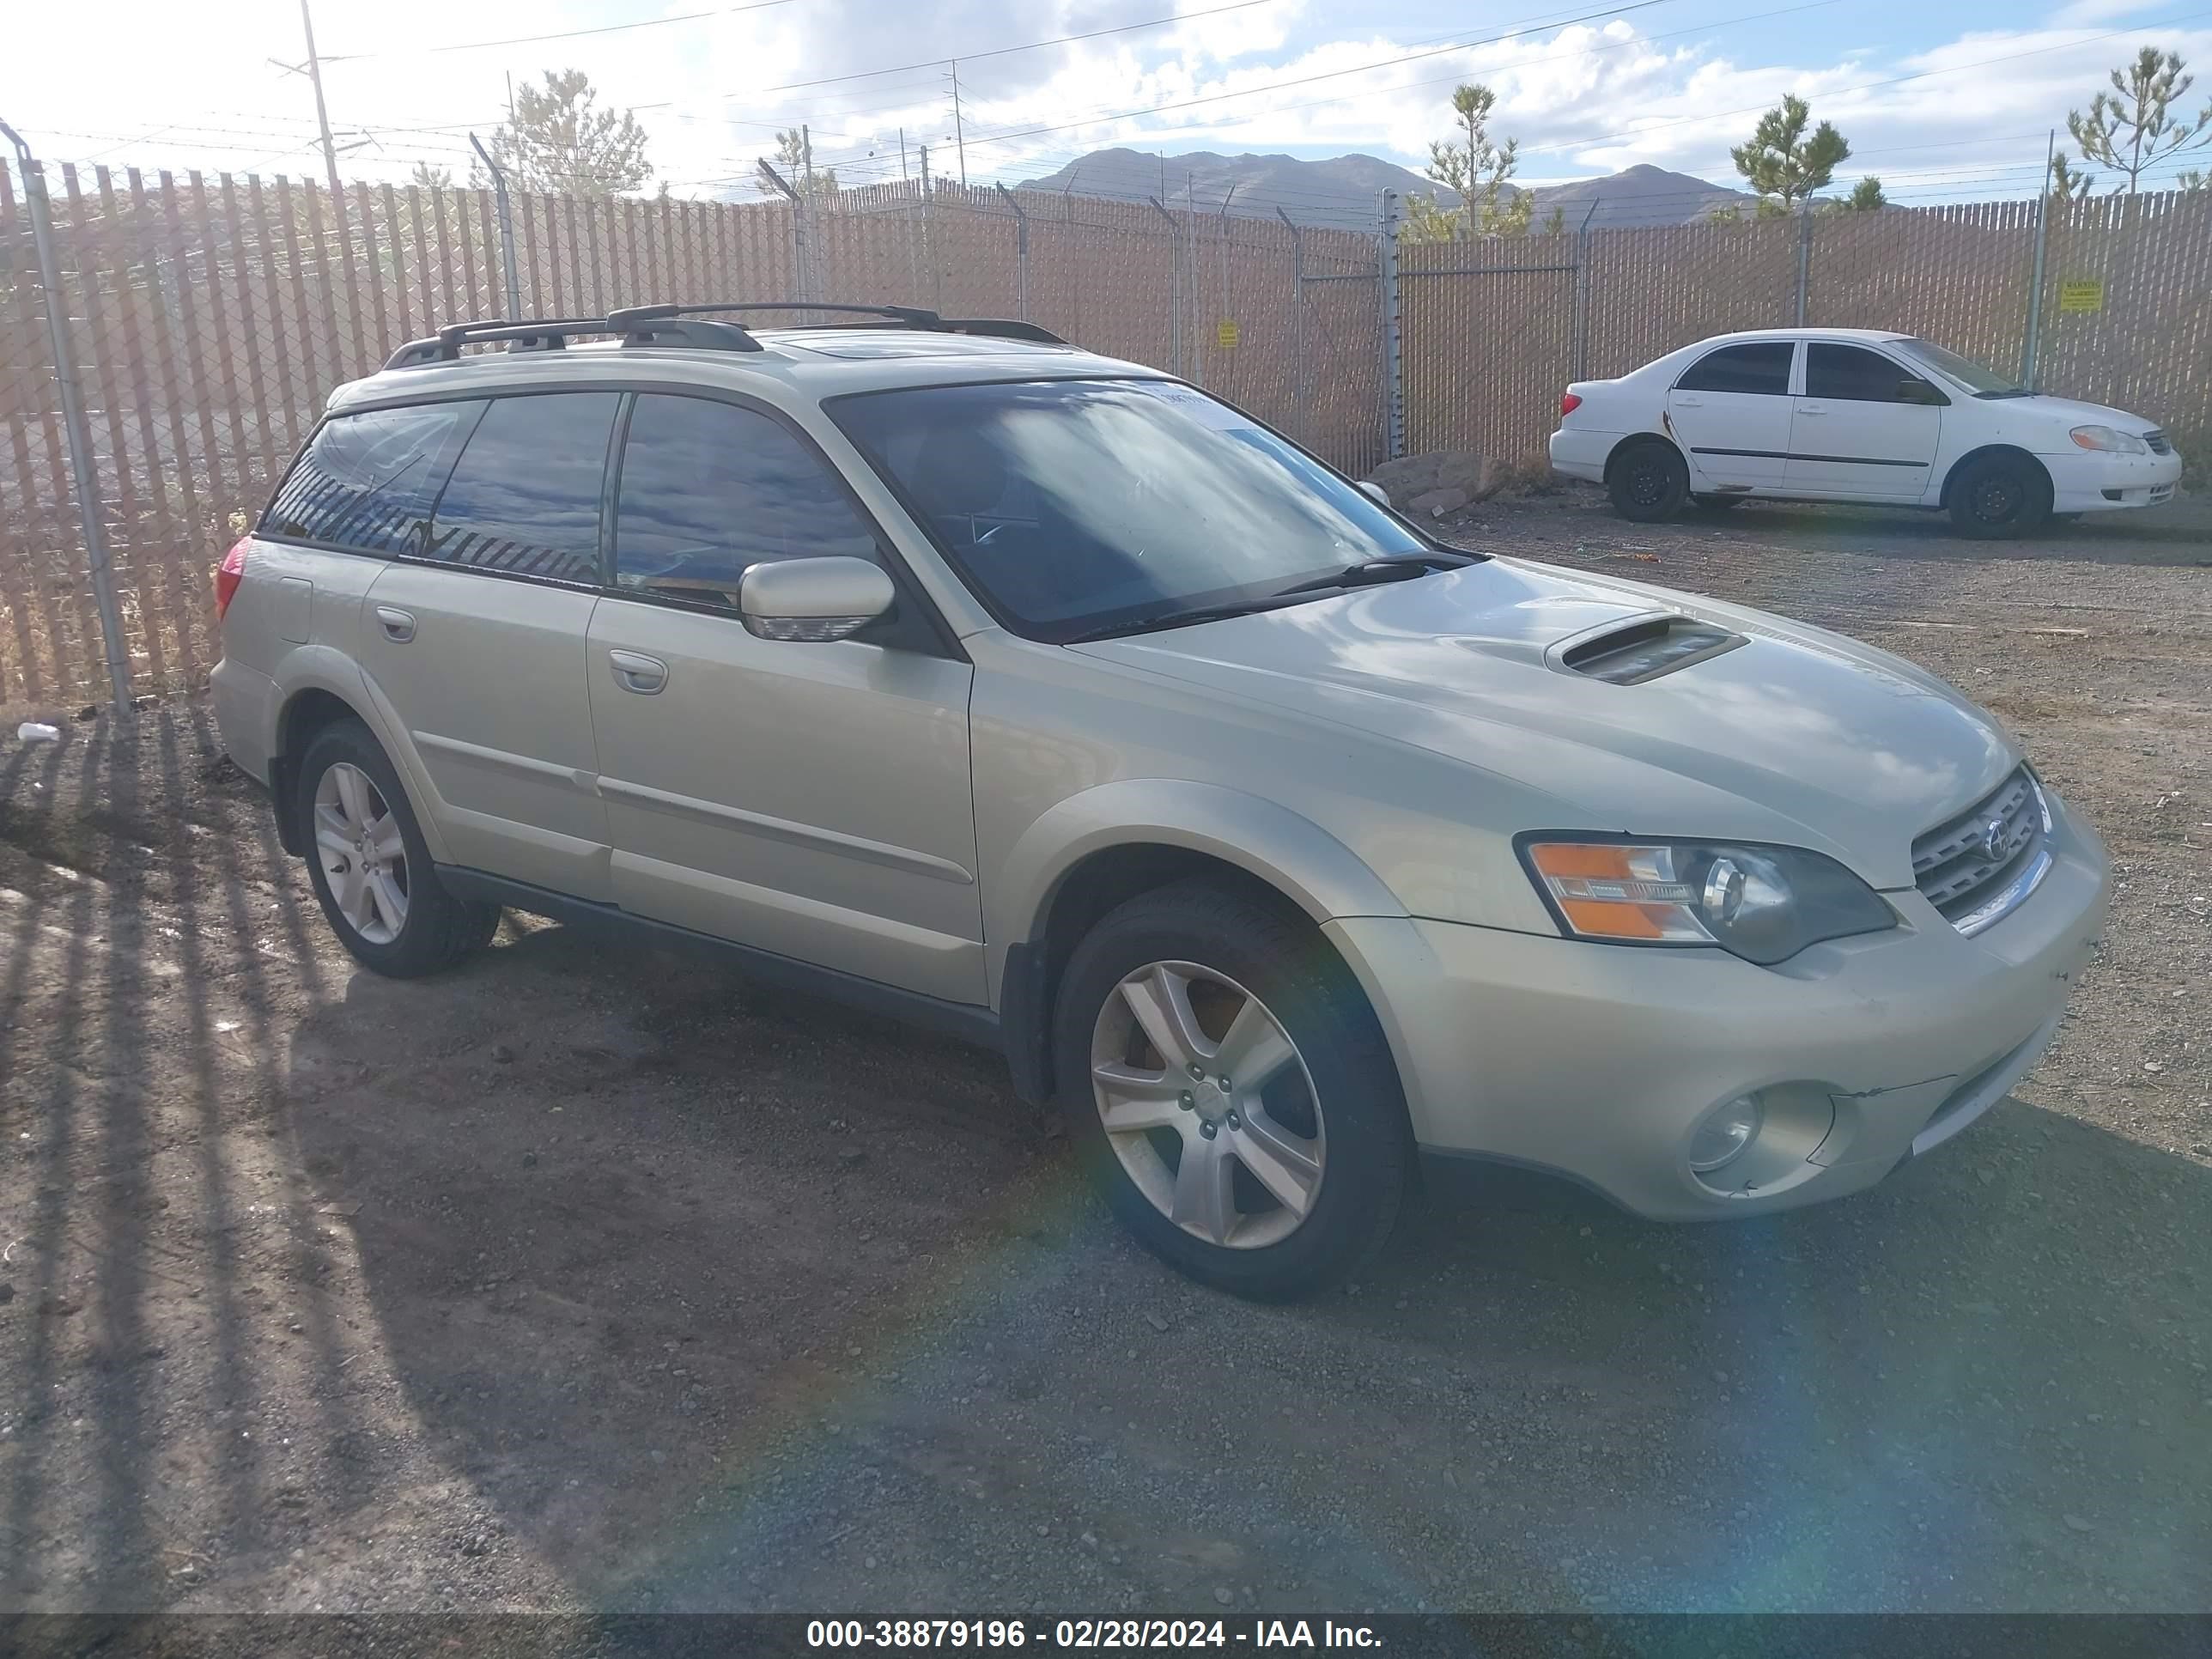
(1398,568)
(2005,391)
(1198,613)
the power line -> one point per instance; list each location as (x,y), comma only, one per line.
(562,34)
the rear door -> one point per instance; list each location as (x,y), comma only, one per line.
(1730,410)
(1855,431)
(474,641)
(808,798)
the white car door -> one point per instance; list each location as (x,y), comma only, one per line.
(1731,412)
(1866,426)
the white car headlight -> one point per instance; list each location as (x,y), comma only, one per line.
(2110,438)
(1763,903)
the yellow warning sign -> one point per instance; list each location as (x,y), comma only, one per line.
(2088,295)
(1225,335)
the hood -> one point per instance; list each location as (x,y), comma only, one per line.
(2074,413)
(1796,736)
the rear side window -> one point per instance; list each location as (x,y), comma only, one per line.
(1851,374)
(365,481)
(525,496)
(709,488)
(1762,366)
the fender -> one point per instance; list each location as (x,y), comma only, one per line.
(1318,873)
(324,668)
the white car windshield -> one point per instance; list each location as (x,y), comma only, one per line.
(1080,507)
(1982,381)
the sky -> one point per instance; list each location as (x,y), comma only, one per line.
(1946,102)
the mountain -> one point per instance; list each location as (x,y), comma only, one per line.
(1641,195)
(1342,190)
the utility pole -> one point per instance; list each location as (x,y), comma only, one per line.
(2030,346)
(806,159)
(902,155)
(322,115)
(959,132)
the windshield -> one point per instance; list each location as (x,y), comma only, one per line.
(1982,382)
(1075,506)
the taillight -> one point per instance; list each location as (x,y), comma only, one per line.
(228,575)
(1568,402)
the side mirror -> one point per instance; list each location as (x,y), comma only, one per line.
(814,599)
(1368,487)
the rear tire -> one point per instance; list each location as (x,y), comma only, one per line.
(1647,481)
(1995,497)
(370,864)
(1305,1160)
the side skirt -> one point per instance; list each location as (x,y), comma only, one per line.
(966,1021)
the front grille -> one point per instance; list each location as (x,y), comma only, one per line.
(2159,442)
(1967,864)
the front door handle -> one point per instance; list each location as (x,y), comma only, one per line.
(1812,408)
(636,671)
(399,625)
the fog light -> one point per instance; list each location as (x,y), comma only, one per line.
(1721,1137)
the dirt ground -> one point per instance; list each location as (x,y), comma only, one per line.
(592,1278)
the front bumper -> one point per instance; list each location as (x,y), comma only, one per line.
(2092,481)
(1599,1061)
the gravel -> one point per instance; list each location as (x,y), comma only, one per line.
(364,1316)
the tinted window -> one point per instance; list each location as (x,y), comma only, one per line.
(1077,506)
(365,481)
(708,488)
(1855,376)
(525,496)
(1761,367)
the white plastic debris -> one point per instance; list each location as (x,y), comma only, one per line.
(37,731)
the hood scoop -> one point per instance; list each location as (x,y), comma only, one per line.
(1630,650)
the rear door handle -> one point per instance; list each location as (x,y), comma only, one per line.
(636,671)
(1689,402)
(399,625)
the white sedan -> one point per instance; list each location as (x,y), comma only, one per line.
(1854,414)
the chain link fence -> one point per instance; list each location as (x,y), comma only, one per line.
(208,320)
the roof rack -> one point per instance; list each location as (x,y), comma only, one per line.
(914,317)
(686,325)
(553,334)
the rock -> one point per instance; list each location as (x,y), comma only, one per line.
(1224,1595)
(1438,502)
(7,1293)
(58,1307)
(853,1159)
(90,712)
(2074,1522)
(1440,473)
(1157,1323)
(476,1543)
(502,1054)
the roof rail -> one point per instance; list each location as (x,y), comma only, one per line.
(914,317)
(553,333)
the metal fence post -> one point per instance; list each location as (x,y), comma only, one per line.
(506,228)
(1021,251)
(83,475)
(1583,293)
(2033,344)
(1174,252)
(1804,260)
(1394,357)
(1297,325)
(799,250)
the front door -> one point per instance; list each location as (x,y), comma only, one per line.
(1867,426)
(808,798)
(1730,413)
(475,641)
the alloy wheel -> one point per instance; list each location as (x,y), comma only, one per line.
(363,855)
(1208,1104)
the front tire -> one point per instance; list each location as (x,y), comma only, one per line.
(370,865)
(1998,497)
(1230,1092)
(1647,481)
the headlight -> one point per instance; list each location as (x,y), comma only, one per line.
(1763,903)
(2110,438)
